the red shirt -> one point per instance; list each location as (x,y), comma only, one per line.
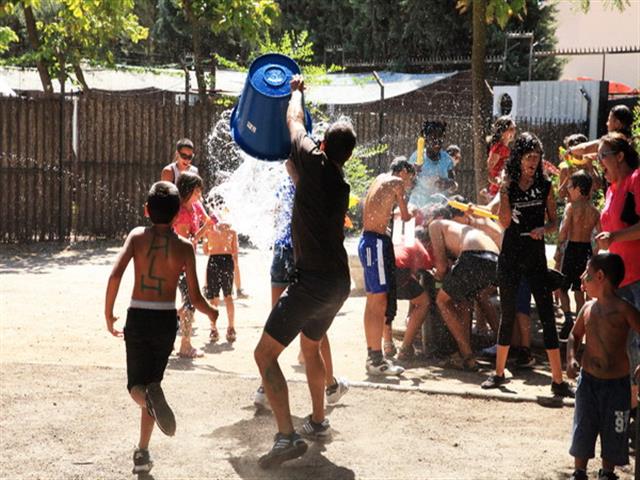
(414,258)
(193,218)
(503,152)
(611,222)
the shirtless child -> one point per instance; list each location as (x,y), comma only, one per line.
(475,245)
(221,244)
(159,255)
(376,255)
(574,243)
(603,395)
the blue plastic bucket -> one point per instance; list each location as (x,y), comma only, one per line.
(258,121)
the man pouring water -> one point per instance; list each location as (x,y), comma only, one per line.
(321,283)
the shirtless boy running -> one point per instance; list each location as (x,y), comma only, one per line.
(159,256)
(603,395)
(475,245)
(581,218)
(378,262)
(221,244)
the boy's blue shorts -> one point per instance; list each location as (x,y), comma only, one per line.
(378,262)
(602,408)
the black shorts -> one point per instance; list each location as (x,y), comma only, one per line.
(574,263)
(602,408)
(309,305)
(148,336)
(408,286)
(473,271)
(219,276)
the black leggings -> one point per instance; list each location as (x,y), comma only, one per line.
(509,281)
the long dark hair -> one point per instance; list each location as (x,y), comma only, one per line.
(525,143)
(187,183)
(623,114)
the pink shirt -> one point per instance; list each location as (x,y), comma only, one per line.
(611,222)
(193,218)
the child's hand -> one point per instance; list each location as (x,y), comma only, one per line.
(537,233)
(572,368)
(604,239)
(213,315)
(110,321)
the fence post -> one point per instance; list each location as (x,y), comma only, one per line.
(61,161)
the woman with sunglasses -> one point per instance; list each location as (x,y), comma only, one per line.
(182,162)
(620,221)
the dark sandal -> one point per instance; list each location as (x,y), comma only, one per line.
(231,334)
(214,336)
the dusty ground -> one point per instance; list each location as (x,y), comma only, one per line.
(66,412)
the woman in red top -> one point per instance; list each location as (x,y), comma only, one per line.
(620,221)
(504,129)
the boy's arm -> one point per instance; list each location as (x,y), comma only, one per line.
(113,284)
(439,249)
(197,299)
(402,203)
(563,234)
(633,316)
(574,341)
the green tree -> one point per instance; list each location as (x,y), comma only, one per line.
(249,19)
(62,33)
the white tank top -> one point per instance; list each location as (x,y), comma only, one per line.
(176,172)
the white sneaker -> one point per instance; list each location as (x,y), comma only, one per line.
(336,391)
(385,369)
(260,399)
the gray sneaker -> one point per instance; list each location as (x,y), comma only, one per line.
(316,431)
(142,462)
(285,447)
(336,391)
(385,369)
(159,409)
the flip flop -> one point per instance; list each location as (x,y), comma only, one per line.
(214,336)
(193,353)
(231,334)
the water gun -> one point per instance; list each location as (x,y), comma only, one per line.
(420,151)
(475,209)
(570,159)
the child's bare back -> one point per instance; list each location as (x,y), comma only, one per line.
(583,219)
(220,239)
(159,255)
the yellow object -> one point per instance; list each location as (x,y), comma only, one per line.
(475,210)
(353,200)
(420,151)
(570,159)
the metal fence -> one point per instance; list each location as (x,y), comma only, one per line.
(89,179)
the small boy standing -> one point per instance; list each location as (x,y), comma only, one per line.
(159,255)
(604,393)
(581,218)
(221,244)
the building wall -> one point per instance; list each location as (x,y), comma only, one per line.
(601,27)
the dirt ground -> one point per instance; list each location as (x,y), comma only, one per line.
(66,413)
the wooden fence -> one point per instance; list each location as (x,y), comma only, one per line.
(115,145)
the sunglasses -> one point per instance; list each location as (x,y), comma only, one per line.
(603,155)
(186,156)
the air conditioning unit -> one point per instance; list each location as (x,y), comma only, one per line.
(505,100)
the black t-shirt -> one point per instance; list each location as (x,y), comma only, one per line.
(319,208)
(528,209)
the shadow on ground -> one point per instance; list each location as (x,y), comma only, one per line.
(42,257)
(256,435)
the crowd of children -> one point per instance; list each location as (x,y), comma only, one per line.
(454,264)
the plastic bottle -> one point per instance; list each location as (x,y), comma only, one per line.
(420,151)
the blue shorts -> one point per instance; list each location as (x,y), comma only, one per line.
(378,261)
(282,266)
(602,408)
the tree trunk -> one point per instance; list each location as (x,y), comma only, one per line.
(77,69)
(34,41)
(478,52)
(196,42)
